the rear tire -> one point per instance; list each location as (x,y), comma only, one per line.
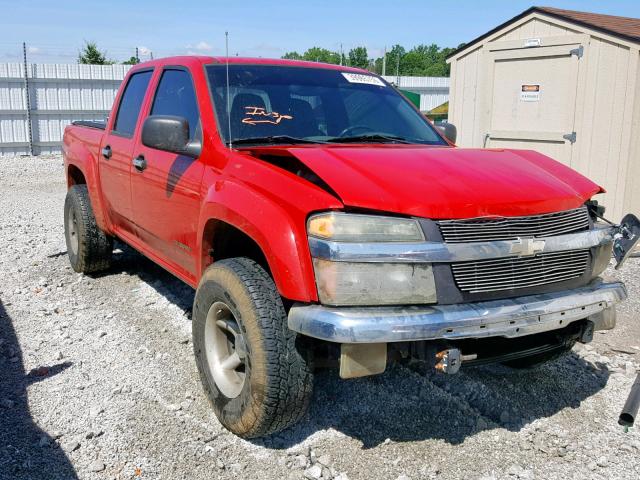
(535,361)
(88,247)
(255,377)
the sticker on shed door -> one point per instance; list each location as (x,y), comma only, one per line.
(530,93)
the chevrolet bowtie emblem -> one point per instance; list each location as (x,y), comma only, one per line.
(524,247)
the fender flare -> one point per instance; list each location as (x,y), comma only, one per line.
(280,235)
(81,158)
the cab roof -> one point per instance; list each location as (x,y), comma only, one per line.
(193,60)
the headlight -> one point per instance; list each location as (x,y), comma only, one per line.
(360,283)
(345,227)
(347,283)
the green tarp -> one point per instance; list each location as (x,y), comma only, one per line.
(413,97)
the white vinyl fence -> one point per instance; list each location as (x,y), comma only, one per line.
(434,91)
(34,109)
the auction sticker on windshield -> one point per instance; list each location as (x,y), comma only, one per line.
(360,78)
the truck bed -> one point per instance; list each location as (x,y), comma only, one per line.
(90,124)
(82,136)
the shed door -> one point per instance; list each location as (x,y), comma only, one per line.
(533,99)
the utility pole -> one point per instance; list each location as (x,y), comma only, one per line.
(384,62)
(341,54)
(151,55)
(27,97)
(137,56)
(398,69)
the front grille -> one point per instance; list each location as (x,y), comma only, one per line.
(520,272)
(510,228)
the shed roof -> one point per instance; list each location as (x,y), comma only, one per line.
(626,27)
(623,27)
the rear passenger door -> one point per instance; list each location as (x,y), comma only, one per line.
(117,149)
(166,193)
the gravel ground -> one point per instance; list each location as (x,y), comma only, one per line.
(98,381)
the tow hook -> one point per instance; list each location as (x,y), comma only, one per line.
(586,334)
(449,361)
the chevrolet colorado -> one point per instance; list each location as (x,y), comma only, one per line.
(323,221)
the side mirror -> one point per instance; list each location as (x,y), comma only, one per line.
(171,134)
(449,130)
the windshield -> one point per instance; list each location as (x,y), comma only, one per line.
(277,104)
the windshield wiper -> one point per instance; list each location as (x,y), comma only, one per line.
(373,137)
(272,139)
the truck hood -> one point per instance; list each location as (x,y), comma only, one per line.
(446,182)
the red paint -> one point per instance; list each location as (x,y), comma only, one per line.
(447,182)
(167,211)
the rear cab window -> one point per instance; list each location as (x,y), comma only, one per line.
(131,103)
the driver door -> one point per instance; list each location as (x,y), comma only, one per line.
(165,187)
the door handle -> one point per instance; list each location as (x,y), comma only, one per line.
(106,152)
(140,163)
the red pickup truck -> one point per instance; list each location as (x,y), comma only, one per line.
(323,220)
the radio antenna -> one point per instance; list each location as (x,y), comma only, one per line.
(226,42)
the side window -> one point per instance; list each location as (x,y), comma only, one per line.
(175,96)
(131,102)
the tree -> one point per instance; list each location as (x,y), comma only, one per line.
(315,54)
(396,52)
(90,55)
(358,57)
(292,56)
(421,60)
(394,60)
(445,52)
(131,61)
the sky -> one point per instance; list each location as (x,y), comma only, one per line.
(54,31)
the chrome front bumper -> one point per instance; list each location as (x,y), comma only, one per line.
(510,318)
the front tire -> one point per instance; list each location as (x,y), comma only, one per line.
(250,367)
(88,247)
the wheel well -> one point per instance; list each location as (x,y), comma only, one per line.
(223,240)
(75,176)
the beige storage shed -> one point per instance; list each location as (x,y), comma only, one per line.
(564,83)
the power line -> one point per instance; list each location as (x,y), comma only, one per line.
(57,53)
